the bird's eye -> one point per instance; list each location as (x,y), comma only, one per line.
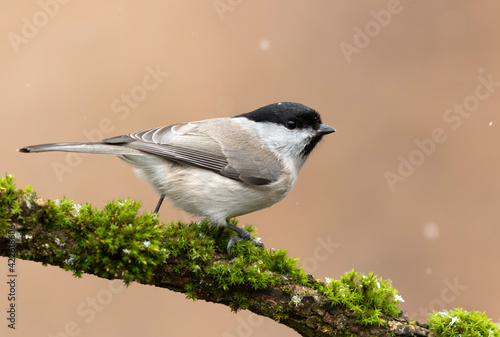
(290,125)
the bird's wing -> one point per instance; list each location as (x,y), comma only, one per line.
(201,145)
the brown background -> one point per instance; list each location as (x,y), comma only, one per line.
(435,236)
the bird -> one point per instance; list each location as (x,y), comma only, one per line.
(218,168)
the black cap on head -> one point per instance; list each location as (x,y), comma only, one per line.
(291,115)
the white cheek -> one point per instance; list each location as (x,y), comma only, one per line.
(289,143)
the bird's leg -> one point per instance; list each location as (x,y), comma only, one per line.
(159,203)
(242,235)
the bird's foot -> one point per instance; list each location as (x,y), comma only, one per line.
(242,235)
(234,239)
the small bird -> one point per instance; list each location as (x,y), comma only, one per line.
(218,168)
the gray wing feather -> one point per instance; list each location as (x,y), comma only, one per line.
(199,144)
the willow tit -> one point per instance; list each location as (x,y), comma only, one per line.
(222,167)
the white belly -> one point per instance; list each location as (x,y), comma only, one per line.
(208,194)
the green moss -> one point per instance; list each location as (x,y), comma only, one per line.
(252,269)
(459,322)
(366,295)
(10,206)
(280,313)
(7,197)
(119,242)
(116,242)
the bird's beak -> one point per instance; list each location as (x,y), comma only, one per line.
(325,129)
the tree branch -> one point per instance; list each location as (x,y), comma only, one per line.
(118,243)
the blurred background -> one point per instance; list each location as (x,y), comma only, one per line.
(408,187)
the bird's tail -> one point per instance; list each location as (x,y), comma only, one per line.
(98,148)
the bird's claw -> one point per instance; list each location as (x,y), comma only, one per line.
(234,239)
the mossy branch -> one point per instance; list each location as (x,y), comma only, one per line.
(117,242)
